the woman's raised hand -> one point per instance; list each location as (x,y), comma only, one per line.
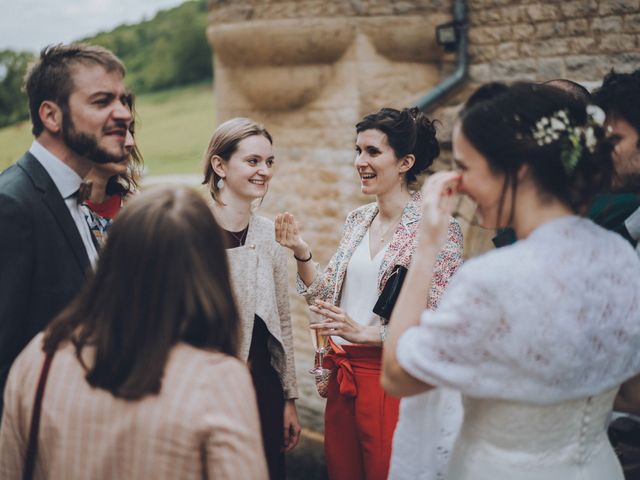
(288,235)
(439,198)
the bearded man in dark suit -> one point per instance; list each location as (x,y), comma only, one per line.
(77,103)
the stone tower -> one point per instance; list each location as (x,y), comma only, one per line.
(309,70)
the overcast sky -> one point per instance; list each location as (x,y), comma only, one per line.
(32,24)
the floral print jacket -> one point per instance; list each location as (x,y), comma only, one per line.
(328,284)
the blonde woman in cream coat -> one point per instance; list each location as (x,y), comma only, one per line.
(237,169)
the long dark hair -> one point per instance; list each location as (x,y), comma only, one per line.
(128,183)
(502,130)
(161,278)
(408,131)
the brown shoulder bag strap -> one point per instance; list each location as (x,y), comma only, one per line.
(32,445)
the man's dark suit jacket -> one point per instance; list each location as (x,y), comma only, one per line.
(42,258)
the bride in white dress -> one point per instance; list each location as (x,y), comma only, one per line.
(537,336)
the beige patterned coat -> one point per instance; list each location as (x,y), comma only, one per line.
(259,281)
(203,425)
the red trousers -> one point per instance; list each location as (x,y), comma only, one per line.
(360,417)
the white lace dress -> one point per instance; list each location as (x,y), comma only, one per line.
(537,336)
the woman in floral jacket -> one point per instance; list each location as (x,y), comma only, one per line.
(392,147)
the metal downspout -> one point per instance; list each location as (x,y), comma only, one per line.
(462,61)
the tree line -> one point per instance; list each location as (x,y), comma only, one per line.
(167,51)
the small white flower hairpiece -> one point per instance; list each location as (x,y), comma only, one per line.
(596,114)
(548,129)
(552,128)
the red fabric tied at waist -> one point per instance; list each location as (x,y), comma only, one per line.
(346,362)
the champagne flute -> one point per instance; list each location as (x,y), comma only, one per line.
(320,346)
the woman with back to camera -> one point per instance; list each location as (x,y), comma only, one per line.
(538,335)
(143,382)
(238,166)
(392,148)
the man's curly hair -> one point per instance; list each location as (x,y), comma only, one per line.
(619,97)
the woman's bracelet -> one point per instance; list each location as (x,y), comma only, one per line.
(303,260)
(383,332)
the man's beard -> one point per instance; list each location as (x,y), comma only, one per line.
(626,183)
(86,145)
(626,177)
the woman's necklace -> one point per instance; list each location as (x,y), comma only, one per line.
(239,236)
(390,228)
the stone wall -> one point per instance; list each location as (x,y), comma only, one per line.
(580,40)
(541,40)
(310,69)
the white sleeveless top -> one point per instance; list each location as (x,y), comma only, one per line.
(360,286)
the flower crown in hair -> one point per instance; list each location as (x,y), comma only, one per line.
(552,128)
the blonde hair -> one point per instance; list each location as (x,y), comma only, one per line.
(224,142)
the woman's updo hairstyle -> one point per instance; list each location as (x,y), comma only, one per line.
(559,138)
(408,131)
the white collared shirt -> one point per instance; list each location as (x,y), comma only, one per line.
(67,181)
(633,227)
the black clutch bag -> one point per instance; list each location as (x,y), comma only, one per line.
(386,302)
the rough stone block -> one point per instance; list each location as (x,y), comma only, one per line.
(405,38)
(578,26)
(485,17)
(551,47)
(489,35)
(521,69)
(587,66)
(447,117)
(632,23)
(482,53)
(403,8)
(523,31)
(580,45)
(482,14)
(507,51)
(625,62)
(528,50)
(480,73)
(612,43)
(550,29)
(491,3)
(540,12)
(579,8)
(550,68)
(514,14)
(618,6)
(611,24)
(237,12)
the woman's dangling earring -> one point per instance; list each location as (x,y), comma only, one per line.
(220,183)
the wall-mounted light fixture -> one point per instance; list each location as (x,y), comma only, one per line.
(448,35)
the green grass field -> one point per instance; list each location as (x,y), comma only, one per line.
(173,130)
